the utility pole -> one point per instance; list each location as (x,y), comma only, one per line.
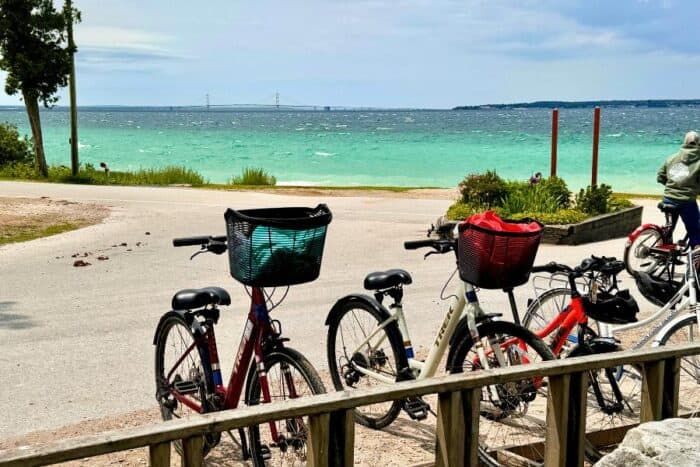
(74,162)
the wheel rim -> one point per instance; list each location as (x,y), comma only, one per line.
(351,357)
(511,414)
(689,389)
(290,449)
(177,341)
(639,257)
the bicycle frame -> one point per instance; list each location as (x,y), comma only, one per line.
(257,329)
(464,301)
(564,323)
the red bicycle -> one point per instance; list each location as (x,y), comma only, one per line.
(267,248)
(651,248)
(565,323)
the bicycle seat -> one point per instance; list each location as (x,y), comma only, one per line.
(385,279)
(666,207)
(189,299)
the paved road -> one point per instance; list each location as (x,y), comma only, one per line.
(75,343)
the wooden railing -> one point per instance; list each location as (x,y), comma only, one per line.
(331,420)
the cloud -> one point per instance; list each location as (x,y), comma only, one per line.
(115,48)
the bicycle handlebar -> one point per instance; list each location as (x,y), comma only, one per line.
(611,266)
(440,246)
(200,240)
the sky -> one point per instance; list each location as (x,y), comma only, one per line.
(383,53)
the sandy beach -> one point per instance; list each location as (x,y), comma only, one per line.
(76,343)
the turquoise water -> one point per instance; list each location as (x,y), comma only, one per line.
(401,148)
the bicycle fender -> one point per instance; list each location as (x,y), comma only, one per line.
(668,326)
(355,298)
(635,233)
(180,313)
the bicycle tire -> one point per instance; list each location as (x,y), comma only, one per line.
(635,250)
(375,416)
(196,374)
(593,454)
(294,436)
(503,330)
(686,331)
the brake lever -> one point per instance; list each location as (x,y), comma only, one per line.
(425,256)
(203,250)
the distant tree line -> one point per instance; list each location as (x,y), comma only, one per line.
(585,104)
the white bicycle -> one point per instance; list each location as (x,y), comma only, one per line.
(675,322)
(369,344)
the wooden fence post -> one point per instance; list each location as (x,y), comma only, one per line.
(596,140)
(672,382)
(555,134)
(192,454)
(652,391)
(458,428)
(342,442)
(318,442)
(566,420)
(159,455)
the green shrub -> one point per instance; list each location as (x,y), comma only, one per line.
(22,170)
(594,199)
(486,190)
(13,149)
(254,176)
(460,211)
(618,203)
(562,216)
(557,189)
(532,199)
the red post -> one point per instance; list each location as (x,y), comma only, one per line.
(596,138)
(555,134)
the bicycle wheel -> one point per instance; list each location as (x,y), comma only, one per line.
(542,311)
(507,418)
(289,376)
(186,378)
(685,332)
(347,356)
(637,255)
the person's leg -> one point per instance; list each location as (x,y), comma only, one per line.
(691,219)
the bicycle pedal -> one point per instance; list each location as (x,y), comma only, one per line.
(186,387)
(265,452)
(416,408)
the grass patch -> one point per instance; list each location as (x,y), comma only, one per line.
(254,177)
(89,175)
(24,233)
(172,175)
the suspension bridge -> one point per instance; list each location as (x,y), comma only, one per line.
(269,102)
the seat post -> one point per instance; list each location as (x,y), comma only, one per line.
(513,306)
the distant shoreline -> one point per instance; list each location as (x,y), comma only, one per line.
(653,103)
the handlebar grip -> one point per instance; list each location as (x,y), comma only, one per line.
(415,244)
(551,268)
(201,240)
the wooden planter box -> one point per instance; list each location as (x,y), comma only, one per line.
(603,227)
